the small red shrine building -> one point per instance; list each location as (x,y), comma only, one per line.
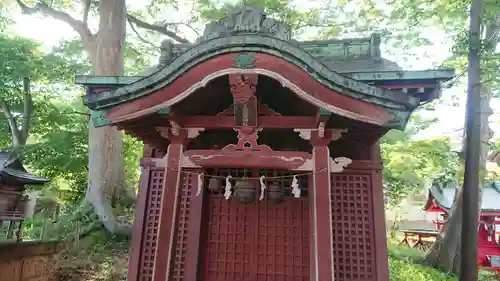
(261,157)
(440,200)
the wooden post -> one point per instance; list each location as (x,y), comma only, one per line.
(19,231)
(30,205)
(194,237)
(44,225)
(379,228)
(10,230)
(470,204)
(169,207)
(57,212)
(321,211)
(139,224)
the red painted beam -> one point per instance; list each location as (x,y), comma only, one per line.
(495,214)
(277,68)
(277,122)
(288,160)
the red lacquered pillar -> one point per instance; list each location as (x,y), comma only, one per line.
(321,211)
(169,207)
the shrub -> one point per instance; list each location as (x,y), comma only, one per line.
(405,264)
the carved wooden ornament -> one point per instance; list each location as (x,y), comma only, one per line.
(244,88)
(247,141)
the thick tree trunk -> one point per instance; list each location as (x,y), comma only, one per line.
(445,253)
(106,164)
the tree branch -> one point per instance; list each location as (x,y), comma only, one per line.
(80,27)
(27,110)
(158,28)
(12,123)
(139,36)
(86,9)
(165,24)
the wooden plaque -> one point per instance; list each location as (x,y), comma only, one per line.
(245,114)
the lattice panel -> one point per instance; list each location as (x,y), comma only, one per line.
(188,186)
(259,241)
(352,222)
(283,233)
(152,219)
(230,236)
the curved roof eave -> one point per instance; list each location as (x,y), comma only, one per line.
(488,204)
(253,43)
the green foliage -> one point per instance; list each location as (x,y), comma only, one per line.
(132,152)
(4,19)
(99,257)
(57,143)
(408,164)
(72,51)
(73,217)
(21,58)
(452,16)
(403,252)
(404,270)
(495,144)
(60,151)
(405,264)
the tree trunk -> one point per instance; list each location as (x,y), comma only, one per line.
(106,164)
(19,134)
(395,223)
(445,253)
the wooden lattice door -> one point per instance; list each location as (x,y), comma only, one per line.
(352,224)
(260,241)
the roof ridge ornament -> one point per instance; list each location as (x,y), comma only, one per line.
(246,19)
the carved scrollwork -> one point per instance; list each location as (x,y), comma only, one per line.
(247,141)
(243,86)
(166,53)
(247,20)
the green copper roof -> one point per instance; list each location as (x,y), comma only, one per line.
(342,56)
(253,43)
(344,66)
(396,76)
(445,194)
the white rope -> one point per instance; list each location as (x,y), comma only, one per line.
(200,184)
(262,187)
(249,178)
(228,187)
(295,187)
